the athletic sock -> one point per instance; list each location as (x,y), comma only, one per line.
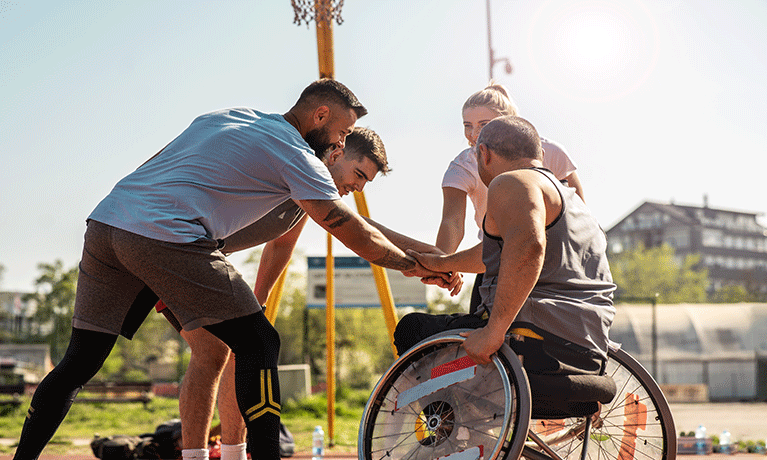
(194,454)
(234,451)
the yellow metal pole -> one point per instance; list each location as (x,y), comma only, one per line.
(325,58)
(381,279)
(325,48)
(273,301)
(330,340)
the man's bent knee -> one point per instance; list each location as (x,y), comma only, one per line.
(206,347)
(252,336)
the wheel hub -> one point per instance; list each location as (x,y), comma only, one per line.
(435,423)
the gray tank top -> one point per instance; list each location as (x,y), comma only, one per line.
(572,300)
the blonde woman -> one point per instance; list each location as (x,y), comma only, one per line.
(461,180)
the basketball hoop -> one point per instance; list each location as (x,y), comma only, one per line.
(317,10)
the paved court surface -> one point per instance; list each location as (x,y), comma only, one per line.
(305,455)
(746,421)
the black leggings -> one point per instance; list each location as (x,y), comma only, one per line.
(54,396)
(255,343)
(256,347)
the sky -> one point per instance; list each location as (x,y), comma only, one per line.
(653,99)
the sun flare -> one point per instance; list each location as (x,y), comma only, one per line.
(593,50)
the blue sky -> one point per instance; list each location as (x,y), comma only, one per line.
(654,100)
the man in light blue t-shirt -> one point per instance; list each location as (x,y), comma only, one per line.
(359,162)
(157,235)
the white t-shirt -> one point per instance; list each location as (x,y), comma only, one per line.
(462,174)
(224,172)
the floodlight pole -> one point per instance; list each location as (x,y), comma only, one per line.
(491,53)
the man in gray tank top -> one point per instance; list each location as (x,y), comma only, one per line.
(546,280)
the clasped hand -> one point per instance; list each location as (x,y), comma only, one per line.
(452,281)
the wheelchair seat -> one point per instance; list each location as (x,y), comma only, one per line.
(562,396)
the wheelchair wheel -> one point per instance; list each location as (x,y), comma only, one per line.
(637,424)
(434,402)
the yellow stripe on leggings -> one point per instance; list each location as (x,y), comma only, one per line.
(266,403)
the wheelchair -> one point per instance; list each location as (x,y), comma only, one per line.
(434,402)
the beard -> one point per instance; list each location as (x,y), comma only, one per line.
(319,140)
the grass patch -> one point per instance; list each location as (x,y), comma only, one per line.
(300,417)
(88,419)
(84,420)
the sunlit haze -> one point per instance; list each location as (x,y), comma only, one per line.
(653,99)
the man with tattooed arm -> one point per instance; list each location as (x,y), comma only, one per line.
(160,231)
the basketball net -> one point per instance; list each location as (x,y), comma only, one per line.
(319,11)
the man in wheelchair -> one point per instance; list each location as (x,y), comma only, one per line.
(547,281)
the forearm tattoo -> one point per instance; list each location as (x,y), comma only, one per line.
(392,260)
(337,217)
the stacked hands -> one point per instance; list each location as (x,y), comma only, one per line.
(480,344)
(427,267)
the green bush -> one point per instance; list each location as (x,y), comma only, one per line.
(349,403)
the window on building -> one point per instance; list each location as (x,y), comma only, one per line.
(677,238)
(712,238)
(740,242)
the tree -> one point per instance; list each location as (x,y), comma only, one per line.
(441,303)
(155,340)
(55,291)
(645,272)
(732,293)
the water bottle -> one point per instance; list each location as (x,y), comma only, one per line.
(700,440)
(318,443)
(725,443)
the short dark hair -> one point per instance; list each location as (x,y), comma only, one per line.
(328,90)
(364,142)
(512,138)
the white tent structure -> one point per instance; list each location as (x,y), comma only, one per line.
(723,346)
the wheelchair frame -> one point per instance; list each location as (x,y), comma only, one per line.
(414,415)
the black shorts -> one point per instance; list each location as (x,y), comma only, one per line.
(540,356)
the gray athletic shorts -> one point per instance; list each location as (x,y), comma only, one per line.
(123,274)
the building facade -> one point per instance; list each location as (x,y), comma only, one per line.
(732,244)
(15,311)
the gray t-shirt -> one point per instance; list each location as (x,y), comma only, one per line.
(274,224)
(224,172)
(572,299)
